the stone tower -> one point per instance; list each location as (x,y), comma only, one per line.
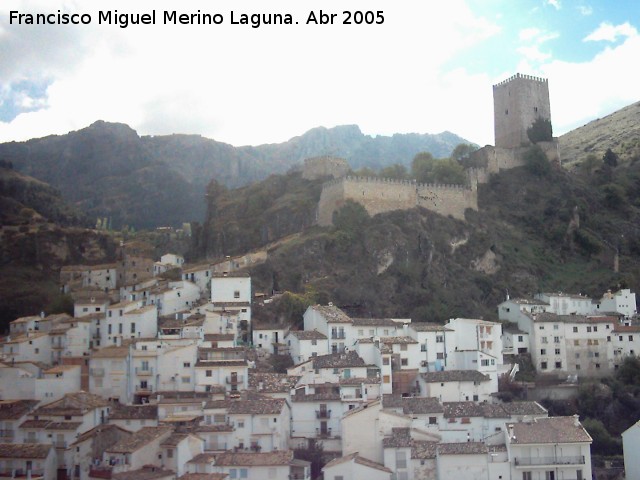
(517,102)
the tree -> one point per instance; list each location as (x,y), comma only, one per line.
(462,151)
(351,218)
(610,158)
(540,131)
(395,171)
(422,167)
(590,163)
(449,171)
(536,161)
(614,196)
(365,172)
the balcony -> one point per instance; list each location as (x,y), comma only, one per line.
(544,461)
(323,413)
(234,379)
(337,336)
(145,389)
(215,446)
(142,371)
(21,472)
(59,345)
(320,433)
(6,435)
(96,372)
(60,444)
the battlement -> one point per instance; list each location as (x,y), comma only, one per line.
(325,166)
(379,195)
(521,76)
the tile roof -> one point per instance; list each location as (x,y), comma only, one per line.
(626,329)
(27,450)
(241,459)
(548,430)
(375,322)
(100,430)
(203,476)
(267,406)
(34,424)
(357,459)
(552,317)
(317,397)
(332,313)
(454,376)
(462,409)
(219,337)
(338,360)
(148,472)
(524,408)
(413,405)
(398,340)
(77,403)
(139,439)
(308,334)
(174,439)
(528,301)
(463,448)
(429,327)
(70,426)
(359,381)
(134,412)
(272,382)
(221,363)
(112,352)
(16,409)
(203,458)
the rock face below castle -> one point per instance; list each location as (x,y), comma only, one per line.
(384,195)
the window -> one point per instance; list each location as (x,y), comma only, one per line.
(597,365)
(120,328)
(433,421)
(608,338)
(240,423)
(596,354)
(372,333)
(541,327)
(208,373)
(576,343)
(401,459)
(556,339)
(109,328)
(439,338)
(440,356)
(133,327)
(543,365)
(186,379)
(404,362)
(620,338)
(243,473)
(631,338)
(186,364)
(485,362)
(557,351)
(575,329)
(169,452)
(558,364)
(236,294)
(423,347)
(520,338)
(543,340)
(403,347)
(386,379)
(556,326)
(577,354)
(543,351)
(233,473)
(385,361)
(588,329)
(577,366)
(527,476)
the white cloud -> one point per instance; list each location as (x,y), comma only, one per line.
(585,10)
(554,3)
(528,34)
(610,33)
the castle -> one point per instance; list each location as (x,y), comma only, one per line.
(517,102)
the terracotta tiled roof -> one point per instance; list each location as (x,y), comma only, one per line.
(316,397)
(203,476)
(70,426)
(462,409)
(139,439)
(203,458)
(627,329)
(552,317)
(76,403)
(529,301)
(398,340)
(464,448)
(27,450)
(415,405)
(174,439)
(275,458)
(524,408)
(359,460)
(272,406)
(429,327)
(359,381)
(16,409)
(375,322)
(147,472)
(272,382)
(112,352)
(338,360)
(454,376)
(134,412)
(218,337)
(548,430)
(308,334)
(332,313)
(103,429)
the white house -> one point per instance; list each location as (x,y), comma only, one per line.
(432,338)
(333,323)
(623,302)
(354,466)
(269,338)
(304,344)
(109,370)
(232,292)
(456,385)
(260,466)
(556,444)
(567,303)
(631,448)
(33,461)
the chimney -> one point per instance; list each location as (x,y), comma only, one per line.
(576,420)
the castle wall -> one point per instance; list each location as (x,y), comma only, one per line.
(517,102)
(385,195)
(319,167)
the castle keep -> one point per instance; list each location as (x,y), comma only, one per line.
(517,102)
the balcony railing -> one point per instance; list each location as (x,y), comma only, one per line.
(533,461)
(96,372)
(323,413)
(30,440)
(5,434)
(141,371)
(144,389)
(21,472)
(323,433)
(235,380)
(60,444)
(58,345)
(215,446)
(337,336)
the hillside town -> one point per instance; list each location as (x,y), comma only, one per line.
(158,378)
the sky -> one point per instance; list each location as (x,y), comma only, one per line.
(429,67)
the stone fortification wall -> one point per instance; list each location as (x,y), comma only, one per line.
(493,159)
(319,167)
(385,195)
(517,102)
